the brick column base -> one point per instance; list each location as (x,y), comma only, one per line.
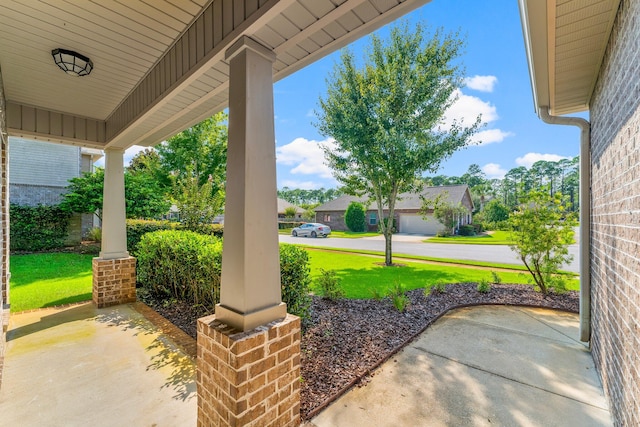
(114,281)
(249,378)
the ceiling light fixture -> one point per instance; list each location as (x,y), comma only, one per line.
(72,62)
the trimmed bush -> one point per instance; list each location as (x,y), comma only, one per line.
(355,217)
(467,230)
(37,228)
(216,230)
(186,265)
(136,228)
(181,264)
(295,280)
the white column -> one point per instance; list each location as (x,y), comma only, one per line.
(114,225)
(250,290)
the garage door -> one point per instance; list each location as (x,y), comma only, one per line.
(414,224)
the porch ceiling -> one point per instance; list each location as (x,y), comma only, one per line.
(158,66)
(565,42)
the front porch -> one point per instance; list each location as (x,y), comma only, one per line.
(123,366)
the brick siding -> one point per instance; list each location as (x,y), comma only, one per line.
(114,281)
(615,218)
(249,378)
(4,227)
(34,195)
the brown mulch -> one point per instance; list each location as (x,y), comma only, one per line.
(345,340)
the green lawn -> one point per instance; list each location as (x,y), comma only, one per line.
(353,235)
(44,280)
(495,238)
(360,275)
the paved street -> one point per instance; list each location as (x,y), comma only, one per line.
(413,245)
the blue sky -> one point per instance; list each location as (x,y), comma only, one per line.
(498,87)
(502,93)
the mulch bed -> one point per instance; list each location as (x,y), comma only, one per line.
(345,340)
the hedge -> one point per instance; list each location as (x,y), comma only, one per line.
(136,228)
(187,266)
(37,228)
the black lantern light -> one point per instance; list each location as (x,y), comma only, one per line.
(72,62)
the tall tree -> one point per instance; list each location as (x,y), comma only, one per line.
(200,152)
(386,117)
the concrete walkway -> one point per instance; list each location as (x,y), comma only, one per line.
(482,366)
(82,366)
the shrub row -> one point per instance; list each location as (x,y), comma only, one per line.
(136,228)
(187,266)
(37,228)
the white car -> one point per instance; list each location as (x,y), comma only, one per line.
(312,229)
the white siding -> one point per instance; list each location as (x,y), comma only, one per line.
(42,163)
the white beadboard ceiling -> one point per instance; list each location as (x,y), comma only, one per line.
(158,64)
(566,41)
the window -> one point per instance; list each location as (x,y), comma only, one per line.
(327,217)
(373,219)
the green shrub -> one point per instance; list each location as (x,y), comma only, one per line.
(398,297)
(181,264)
(186,265)
(329,285)
(496,279)
(355,217)
(295,280)
(37,228)
(377,294)
(285,225)
(95,234)
(136,228)
(467,230)
(216,230)
(436,288)
(484,286)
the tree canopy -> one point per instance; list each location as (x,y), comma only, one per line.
(387,116)
(144,197)
(199,151)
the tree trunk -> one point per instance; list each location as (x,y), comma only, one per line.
(387,245)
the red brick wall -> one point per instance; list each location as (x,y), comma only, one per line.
(4,223)
(615,218)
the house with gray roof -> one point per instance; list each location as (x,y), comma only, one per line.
(408,218)
(284,205)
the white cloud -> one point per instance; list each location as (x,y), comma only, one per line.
(481,83)
(303,185)
(466,108)
(129,153)
(530,158)
(490,136)
(494,170)
(306,157)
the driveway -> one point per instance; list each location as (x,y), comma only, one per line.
(412,245)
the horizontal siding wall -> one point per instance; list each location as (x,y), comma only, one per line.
(615,218)
(42,163)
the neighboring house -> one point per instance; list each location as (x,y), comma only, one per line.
(283,205)
(39,173)
(584,55)
(407,214)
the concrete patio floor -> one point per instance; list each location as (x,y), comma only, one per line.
(497,366)
(482,366)
(83,366)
